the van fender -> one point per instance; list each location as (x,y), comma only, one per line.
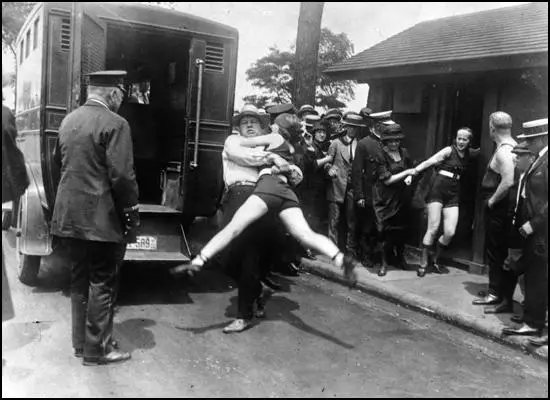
(34,231)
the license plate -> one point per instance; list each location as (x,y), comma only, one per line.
(143,243)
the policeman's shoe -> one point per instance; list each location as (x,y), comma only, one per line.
(502,308)
(488,300)
(367,262)
(439,269)
(349,270)
(237,326)
(112,357)
(524,330)
(421,271)
(383,271)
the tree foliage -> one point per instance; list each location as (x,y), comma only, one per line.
(274,73)
(14,14)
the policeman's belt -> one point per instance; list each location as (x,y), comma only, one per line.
(241,183)
(449,174)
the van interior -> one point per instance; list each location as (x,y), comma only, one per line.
(155,107)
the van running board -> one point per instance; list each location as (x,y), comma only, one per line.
(137,255)
(157,209)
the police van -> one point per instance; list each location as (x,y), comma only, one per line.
(181,82)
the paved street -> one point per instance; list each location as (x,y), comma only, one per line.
(319,340)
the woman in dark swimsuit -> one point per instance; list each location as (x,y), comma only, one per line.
(274,194)
(451,162)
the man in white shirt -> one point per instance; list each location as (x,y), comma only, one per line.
(246,259)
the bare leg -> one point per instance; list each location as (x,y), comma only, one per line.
(434,219)
(297,226)
(253,209)
(450,221)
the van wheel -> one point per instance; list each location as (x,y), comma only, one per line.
(28,269)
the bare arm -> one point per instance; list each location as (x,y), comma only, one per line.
(505,165)
(325,160)
(244,156)
(437,158)
(272,139)
(399,177)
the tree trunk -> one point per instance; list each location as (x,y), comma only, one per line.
(307,53)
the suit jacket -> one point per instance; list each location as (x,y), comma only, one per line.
(340,151)
(97,175)
(14,172)
(369,150)
(534,208)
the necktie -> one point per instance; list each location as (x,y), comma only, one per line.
(351,151)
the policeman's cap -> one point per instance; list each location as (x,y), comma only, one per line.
(108,79)
(281,109)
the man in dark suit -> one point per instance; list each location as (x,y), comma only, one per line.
(95,212)
(533,214)
(368,150)
(340,189)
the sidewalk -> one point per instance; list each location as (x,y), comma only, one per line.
(446,297)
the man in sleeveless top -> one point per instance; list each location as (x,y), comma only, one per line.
(532,220)
(497,181)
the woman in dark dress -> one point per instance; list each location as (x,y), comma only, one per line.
(391,197)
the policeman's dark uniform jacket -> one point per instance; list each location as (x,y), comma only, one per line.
(533,208)
(96,194)
(14,183)
(369,149)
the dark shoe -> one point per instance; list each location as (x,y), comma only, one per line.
(524,330)
(518,319)
(271,283)
(237,326)
(290,269)
(349,270)
(488,300)
(109,358)
(367,262)
(501,308)
(309,254)
(79,352)
(421,272)
(539,341)
(440,269)
(382,271)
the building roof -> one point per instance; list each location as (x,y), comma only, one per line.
(504,32)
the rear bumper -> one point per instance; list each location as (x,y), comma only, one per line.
(163,256)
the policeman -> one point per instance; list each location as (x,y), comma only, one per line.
(95,212)
(275,110)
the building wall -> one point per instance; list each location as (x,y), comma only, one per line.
(451,101)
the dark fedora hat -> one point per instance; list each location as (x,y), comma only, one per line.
(306,109)
(392,132)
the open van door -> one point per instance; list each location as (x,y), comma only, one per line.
(207,122)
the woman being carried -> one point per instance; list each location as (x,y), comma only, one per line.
(274,194)
(451,162)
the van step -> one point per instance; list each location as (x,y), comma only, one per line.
(137,255)
(157,209)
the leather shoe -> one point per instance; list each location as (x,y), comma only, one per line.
(271,283)
(78,352)
(524,330)
(488,300)
(518,319)
(539,341)
(110,358)
(382,271)
(501,308)
(421,272)
(238,325)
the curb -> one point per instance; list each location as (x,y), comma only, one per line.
(425,306)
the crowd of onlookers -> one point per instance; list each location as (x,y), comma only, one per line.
(358,187)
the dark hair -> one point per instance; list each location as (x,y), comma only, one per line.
(465,128)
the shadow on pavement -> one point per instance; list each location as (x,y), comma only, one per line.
(475,289)
(135,333)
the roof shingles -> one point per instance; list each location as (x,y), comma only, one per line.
(514,30)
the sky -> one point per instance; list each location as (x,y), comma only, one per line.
(265,25)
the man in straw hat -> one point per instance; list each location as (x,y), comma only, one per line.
(532,212)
